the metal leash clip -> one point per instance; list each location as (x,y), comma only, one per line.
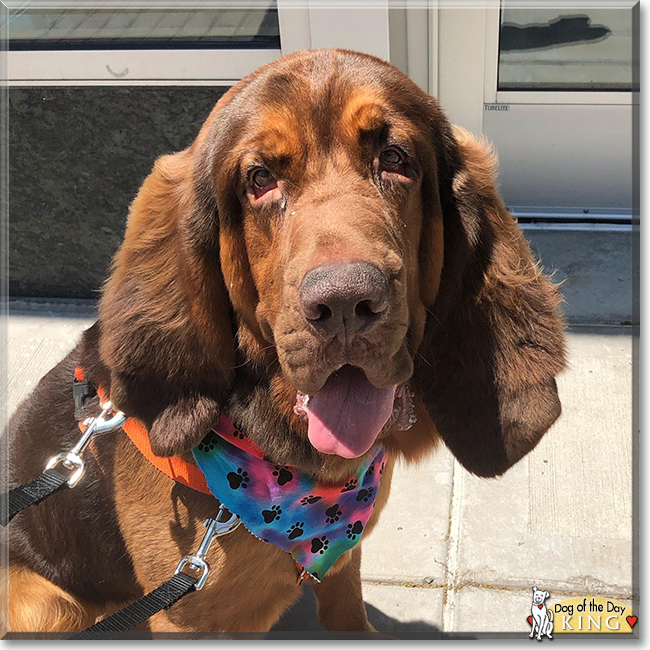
(72,460)
(215,528)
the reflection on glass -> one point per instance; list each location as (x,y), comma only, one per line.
(551,49)
(33,28)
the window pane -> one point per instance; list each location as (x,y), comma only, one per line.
(551,49)
(48,29)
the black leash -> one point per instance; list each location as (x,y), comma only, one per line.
(51,480)
(30,494)
(170,592)
(163,597)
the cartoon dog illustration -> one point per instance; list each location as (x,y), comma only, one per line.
(542,617)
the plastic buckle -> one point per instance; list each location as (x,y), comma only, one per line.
(81,392)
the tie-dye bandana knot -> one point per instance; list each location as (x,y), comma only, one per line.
(315,522)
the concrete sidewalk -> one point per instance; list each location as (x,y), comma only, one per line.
(454,553)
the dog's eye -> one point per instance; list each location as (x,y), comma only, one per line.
(391,158)
(263,179)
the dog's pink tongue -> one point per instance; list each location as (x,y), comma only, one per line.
(348,413)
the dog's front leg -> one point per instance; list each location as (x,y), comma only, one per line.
(340,601)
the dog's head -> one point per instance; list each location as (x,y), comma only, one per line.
(539,596)
(330,226)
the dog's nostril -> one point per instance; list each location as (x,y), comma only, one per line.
(324,315)
(363,310)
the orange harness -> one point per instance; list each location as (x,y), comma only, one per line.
(175,467)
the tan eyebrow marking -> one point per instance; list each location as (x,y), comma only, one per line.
(365,111)
(279,135)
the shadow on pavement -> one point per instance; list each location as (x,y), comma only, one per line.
(302,618)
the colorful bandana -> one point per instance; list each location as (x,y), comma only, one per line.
(315,522)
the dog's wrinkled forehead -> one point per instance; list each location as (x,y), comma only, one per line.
(302,112)
(314,125)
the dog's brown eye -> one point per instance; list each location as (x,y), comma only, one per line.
(263,179)
(391,158)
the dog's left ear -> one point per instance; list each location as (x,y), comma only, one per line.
(165,318)
(493,340)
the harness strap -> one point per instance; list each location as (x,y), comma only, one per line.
(163,597)
(175,467)
(30,494)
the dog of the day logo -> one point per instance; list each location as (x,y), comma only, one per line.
(541,617)
(579,615)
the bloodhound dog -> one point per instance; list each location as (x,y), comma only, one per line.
(328,234)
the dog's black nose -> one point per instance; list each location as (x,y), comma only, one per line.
(344,297)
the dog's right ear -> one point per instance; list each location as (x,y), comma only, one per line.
(165,316)
(493,341)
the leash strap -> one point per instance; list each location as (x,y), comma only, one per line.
(31,494)
(163,597)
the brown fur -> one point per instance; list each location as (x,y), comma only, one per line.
(37,604)
(201,314)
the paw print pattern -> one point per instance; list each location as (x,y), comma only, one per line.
(296,530)
(238,479)
(371,470)
(364,494)
(354,530)
(333,513)
(310,499)
(271,515)
(238,434)
(208,443)
(381,469)
(319,544)
(283,475)
(350,485)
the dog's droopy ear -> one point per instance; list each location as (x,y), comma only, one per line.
(494,338)
(166,333)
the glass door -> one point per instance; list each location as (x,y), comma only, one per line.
(557,89)
(91,45)
(217,44)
